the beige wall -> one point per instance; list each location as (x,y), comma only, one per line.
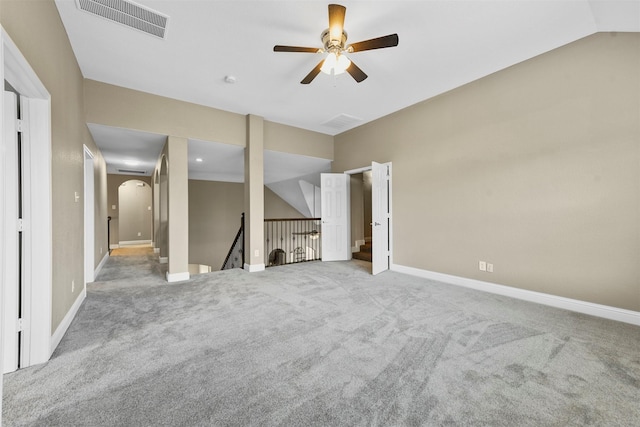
(287,139)
(113,184)
(36,29)
(535,169)
(117,106)
(126,108)
(367,179)
(214,218)
(356,194)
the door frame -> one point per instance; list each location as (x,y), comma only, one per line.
(368,168)
(89,217)
(36,137)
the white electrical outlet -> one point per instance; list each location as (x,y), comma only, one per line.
(139,234)
(256,252)
(489,267)
(482,265)
(73,285)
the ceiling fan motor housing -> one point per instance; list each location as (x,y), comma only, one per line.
(335,46)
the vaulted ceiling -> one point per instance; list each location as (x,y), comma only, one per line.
(443,44)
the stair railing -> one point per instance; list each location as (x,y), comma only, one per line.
(235,257)
(289,241)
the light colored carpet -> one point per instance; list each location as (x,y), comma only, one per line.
(323,344)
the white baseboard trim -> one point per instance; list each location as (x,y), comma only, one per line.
(156,250)
(593,309)
(253,268)
(99,267)
(163,259)
(64,325)
(114,246)
(178,277)
(134,242)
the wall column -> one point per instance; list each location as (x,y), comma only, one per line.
(178,209)
(254,195)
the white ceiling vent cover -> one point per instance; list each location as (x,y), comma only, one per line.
(127,13)
(341,121)
(129,171)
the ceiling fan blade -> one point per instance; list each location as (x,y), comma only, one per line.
(312,75)
(378,43)
(355,71)
(336,21)
(279,48)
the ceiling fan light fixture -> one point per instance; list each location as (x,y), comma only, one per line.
(334,41)
(335,64)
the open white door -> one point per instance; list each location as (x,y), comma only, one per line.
(336,219)
(380,216)
(11,248)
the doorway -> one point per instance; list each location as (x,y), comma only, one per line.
(336,216)
(135,222)
(361,222)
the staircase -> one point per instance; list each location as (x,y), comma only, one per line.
(365,252)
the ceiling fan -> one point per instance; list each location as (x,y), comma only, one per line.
(334,41)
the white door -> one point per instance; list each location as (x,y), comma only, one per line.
(11,270)
(336,218)
(380,216)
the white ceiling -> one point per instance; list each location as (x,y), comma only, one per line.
(443,44)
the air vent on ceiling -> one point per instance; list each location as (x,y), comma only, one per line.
(127,13)
(131,171)
(341,121)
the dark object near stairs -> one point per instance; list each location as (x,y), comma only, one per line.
(365,252)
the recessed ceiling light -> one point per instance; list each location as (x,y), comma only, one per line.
(131,162)
(198,159)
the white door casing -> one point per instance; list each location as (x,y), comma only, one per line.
(380,217)
(89,216)
(336,220)
(10,206)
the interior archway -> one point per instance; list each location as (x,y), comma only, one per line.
(135,216)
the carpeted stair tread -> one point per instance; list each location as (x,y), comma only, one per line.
(365,252)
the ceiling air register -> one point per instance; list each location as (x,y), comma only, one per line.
(129,14)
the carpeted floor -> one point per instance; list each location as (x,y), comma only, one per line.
(323,344)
